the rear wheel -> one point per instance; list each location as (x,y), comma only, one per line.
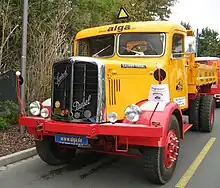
(50,152)
(160,163)
(194,117)
(207,113)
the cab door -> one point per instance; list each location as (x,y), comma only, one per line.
(178,72)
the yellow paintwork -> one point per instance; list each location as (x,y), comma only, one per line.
(190,33)
(135,82)
(148,26)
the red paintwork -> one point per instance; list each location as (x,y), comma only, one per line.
(206,89)
(119,129)
(163,118)
(159,74)
(186,127)
(192,96)
(139,134)
(171,149)
(19,95)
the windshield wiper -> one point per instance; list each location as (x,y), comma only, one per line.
(96,54)
(136,53)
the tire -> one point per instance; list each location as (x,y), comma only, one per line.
(49,152)
(194,117)
(207,113)
(155,166)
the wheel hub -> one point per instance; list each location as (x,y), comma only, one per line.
(171,149)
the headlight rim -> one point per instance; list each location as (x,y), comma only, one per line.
(44,108)
(116,115)
(138,112)
(38,105)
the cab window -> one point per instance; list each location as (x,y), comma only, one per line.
(178,46)
(141,44)
(98,46)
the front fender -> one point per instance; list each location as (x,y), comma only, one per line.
(159,116)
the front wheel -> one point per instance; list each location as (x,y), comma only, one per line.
(50,153)
(160,163)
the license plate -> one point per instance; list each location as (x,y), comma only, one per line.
(71,139)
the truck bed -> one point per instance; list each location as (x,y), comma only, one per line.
(201,74)
(207,74)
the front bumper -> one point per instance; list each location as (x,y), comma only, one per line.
(90,130)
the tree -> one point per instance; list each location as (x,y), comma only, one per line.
(148,10)
(186,25)
(52,24)
(208,43)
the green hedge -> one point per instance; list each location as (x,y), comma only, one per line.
(8,114)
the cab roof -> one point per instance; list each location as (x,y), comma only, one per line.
(144,26)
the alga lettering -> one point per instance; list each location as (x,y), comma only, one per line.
(119,28)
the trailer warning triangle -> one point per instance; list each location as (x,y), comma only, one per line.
(122,13)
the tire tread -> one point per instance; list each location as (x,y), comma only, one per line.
(194,116)
(205,112)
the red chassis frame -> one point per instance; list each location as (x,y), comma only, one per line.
(150,130)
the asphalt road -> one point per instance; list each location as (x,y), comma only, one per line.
(98,171)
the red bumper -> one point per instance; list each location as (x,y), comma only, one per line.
(90,130)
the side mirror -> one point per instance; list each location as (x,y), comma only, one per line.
(190,33)
(171,56)
(21,80)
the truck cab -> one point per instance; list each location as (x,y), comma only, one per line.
(130,54)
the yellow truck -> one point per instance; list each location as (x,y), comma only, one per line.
(127,86)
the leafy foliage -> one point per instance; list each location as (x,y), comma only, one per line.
(208,41)
(51,26)
(209,44)
(186,25)
(8,114)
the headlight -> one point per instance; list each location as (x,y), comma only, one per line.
(44,112)
(132,113)
(113,117)
(35,108)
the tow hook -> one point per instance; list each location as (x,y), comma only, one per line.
(39,127)
(39,130)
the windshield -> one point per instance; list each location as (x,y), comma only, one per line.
(145,44)
(99,46)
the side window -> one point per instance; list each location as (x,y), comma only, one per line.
(178,45)
(83,48)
